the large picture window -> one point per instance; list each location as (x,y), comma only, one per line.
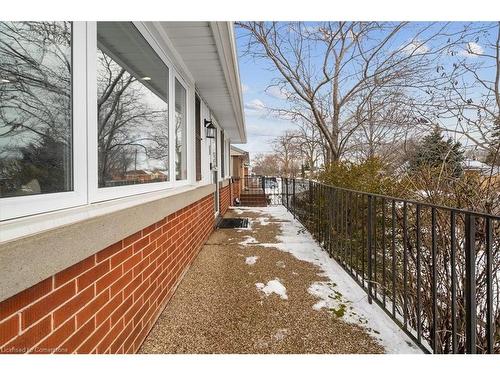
(180,132)
(36,134)
(132,108)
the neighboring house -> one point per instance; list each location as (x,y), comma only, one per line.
(111,180)
(487,173)
(475,166)
(239,170)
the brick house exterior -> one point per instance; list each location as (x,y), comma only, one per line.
(94,276)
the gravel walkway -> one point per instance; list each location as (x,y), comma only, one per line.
(226,302)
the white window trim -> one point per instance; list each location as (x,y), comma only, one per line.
(189,139)
(15,212)
(15,207)
(206,176)
(97,194)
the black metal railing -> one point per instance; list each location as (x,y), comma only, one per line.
(434,270)
(268,187)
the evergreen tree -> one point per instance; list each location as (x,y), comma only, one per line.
(46,162)
(493,156)
(433,151)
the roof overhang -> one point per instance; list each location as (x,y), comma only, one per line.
(208,51)
(236,151)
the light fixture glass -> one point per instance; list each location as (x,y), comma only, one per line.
(209,129)
(146,78)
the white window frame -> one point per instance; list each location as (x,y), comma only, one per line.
(189,138)
(16,207)
(85,154)
(206,176)
(227,175)
(97,194)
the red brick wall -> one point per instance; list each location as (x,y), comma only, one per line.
(254,200)
(236,189)
(108,302)
(224,198)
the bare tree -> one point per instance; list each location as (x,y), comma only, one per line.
(287,149)
(36,64)
(266,165)
(127,121)
(384,122)
(309,144)
(464,96)
(325,68)
(35,107)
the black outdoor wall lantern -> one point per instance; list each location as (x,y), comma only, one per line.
(210,129)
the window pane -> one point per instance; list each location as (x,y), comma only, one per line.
(132,103)
(180,132)
(35,108)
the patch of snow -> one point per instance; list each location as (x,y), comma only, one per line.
(333,300)
(248,240)
(341,294)
(251,260)
(273,286)
(280,264)
(263,220)
(281,334)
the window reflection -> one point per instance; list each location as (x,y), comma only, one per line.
(132,103)
(35,108)
(180,132)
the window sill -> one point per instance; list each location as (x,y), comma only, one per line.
(38,247)
(30,225)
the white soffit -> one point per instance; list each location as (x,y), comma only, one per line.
(208,50)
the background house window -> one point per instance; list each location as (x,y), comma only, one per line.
(132,107)
(36,135)
(197,136)
(180,132)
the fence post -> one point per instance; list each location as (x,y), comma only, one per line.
(310,194)
(286,193)
(293,196)
(369,230)
(470,284)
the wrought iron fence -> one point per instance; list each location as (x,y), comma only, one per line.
(268,187)
(434,270)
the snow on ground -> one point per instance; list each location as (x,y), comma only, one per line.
(237,210)
(263,220)
(280,264)
(248,240)
(342,295)
(281,334)
(251,260)
(273,286)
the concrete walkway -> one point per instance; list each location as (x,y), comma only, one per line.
(265,290)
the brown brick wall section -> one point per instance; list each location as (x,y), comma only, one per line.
(236,188)
(254,200)
(108,302)
(224,199)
